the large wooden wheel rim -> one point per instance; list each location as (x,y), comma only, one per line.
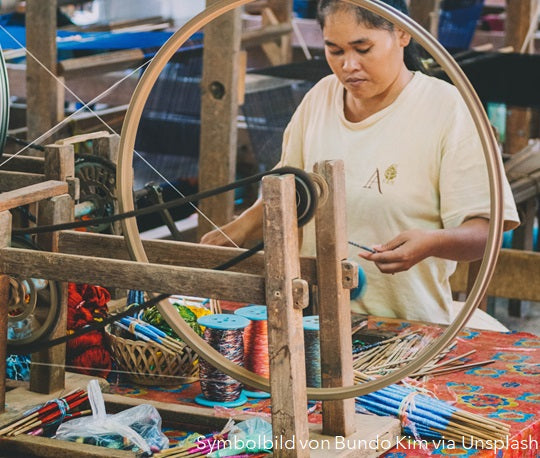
(445,60)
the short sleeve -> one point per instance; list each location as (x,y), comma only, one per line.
(464,181)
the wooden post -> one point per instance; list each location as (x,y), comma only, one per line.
(334,300)
(283,10)
(423,12)
(44,97)
(219,110)
(48,366)
(285,331)
(518,121)
(5,237)
(107,147)
(59,162)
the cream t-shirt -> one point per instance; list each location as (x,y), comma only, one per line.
(417,164)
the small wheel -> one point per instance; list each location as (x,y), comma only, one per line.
(33,307)
(97,177)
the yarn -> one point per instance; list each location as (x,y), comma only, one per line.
(223,333)
(86,354)
(18,367)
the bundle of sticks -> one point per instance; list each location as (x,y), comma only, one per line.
(36,420)
(383,357)
(202,447)
(149,333)
(424,416)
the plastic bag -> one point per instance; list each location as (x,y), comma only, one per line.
(137,428)
(250,436)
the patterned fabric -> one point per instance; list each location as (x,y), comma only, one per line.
(506,390)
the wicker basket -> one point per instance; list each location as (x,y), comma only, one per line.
(147,364)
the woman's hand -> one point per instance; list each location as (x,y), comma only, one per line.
(224,236)
(403,251)
(463,243)
(244,229)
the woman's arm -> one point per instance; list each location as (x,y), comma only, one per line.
(463,243)
(246,228)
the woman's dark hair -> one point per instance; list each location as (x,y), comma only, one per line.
(410,54)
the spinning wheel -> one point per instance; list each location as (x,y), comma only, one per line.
(33,306)
(125,180)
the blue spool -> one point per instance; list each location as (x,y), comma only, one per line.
(360,290)
(223,321)
(254,313)
(224,333)
(312,344)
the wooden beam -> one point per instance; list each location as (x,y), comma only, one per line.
(133,275)
(98,64)
(31,194)
(334,300)
(45,100)
(219,110)
(515,276)
(172,253)
(267,33)
(10,181)
(21,163)
(423,11)
(285,331)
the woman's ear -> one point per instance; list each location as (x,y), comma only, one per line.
(404,38)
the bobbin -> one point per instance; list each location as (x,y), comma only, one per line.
(220,322)
(254,313)
(313,350)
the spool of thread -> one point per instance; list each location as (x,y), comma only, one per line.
(360,290)
(256,357)
(312,345)
(224,333)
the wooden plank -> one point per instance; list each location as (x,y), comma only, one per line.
(99,64)
(172,253)
(22,163)
(35,446)
(334,300)
(219,110)
(81,138)
(45,100)
(47,370)
(285,331)
(132,275)
(15,180)
(5,240)
(515,276)
(32,193)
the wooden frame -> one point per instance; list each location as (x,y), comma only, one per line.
(281,288)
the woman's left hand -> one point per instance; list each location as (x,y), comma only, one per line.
(404,251)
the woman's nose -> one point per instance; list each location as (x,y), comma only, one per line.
(351,62)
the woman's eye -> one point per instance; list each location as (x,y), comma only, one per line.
(335,52)
(363,51)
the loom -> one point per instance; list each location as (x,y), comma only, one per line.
(281,285)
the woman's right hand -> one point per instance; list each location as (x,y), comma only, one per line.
(224,236)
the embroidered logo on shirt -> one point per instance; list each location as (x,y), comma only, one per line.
(390,174)
(375,178)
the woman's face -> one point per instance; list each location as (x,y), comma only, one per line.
(367,61)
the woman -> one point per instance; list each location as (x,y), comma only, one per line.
(416,180)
